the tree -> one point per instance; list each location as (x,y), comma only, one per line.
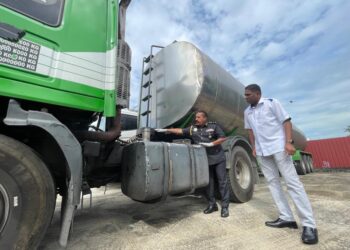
(348,130)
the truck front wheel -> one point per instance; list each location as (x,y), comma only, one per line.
(240,176)
(27,196)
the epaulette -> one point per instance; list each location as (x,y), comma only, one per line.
(211,122)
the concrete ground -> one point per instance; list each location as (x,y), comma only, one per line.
(117,222)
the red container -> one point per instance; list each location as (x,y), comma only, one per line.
(330,153)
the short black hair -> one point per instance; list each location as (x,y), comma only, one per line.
(203,112)
(254,88)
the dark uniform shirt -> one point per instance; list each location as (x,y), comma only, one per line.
(208,133)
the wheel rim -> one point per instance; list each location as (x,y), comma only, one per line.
(242,173)
(4,207)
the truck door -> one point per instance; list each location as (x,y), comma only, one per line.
(58,51)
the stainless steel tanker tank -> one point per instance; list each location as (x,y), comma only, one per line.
(184,79)
(299,138)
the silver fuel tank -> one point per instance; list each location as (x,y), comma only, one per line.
(184,79)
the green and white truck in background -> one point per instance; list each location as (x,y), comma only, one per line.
(63,66)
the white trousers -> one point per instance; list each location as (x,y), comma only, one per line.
(283,162)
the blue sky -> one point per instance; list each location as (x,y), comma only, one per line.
(297,51)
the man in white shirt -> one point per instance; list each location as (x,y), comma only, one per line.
(270,134)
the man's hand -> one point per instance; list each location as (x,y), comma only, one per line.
(254,152)
(161,130)
(290,149)
(206,144)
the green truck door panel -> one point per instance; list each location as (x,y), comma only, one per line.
(78,57)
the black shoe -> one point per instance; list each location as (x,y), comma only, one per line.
(279,223)
(210,209)
(309,235)
(224,212)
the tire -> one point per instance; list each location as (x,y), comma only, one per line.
(306,163)
(27,196)
(311,164)
(300,167)
(240,176)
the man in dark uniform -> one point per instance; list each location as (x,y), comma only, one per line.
(209,135)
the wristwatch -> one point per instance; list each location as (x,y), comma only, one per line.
(291,141)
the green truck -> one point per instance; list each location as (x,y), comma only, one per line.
(63,66)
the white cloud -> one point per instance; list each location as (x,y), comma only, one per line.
(272,51)
(307,33)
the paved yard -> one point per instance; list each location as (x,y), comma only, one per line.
(117,222)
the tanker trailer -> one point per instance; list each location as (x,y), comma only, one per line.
(180,79)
